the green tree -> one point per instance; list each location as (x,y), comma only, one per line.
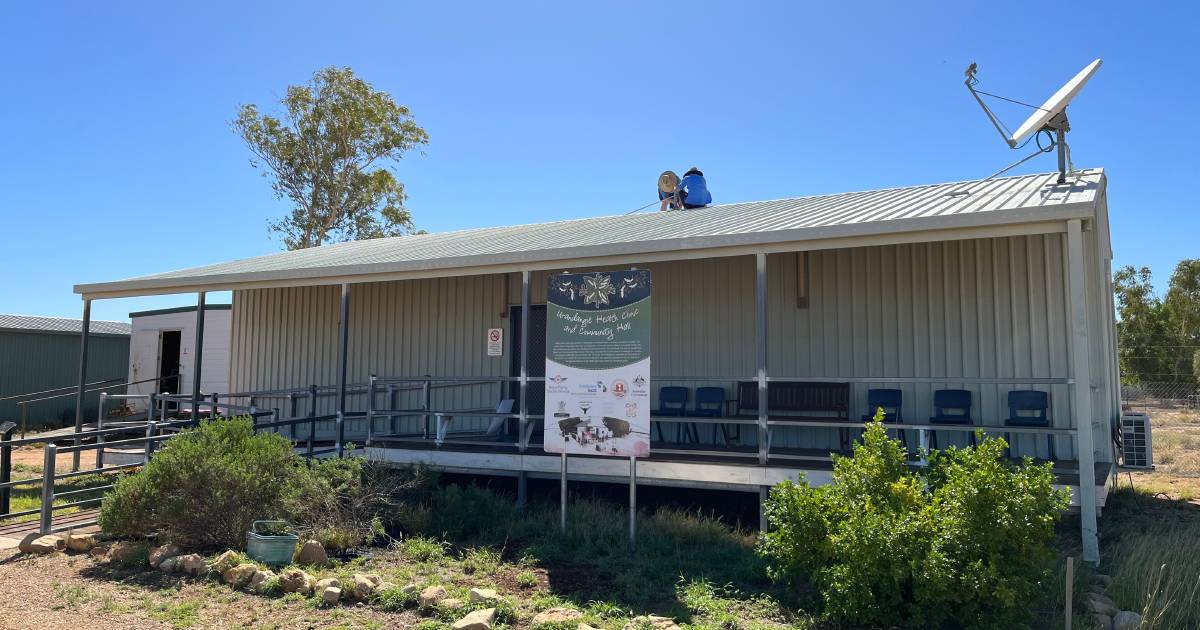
(1182,313)
(331,153)
(1142,334)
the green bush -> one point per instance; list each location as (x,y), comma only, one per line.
(967,543)
(341,502)
(206,486)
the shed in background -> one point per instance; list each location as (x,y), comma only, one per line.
(42,353)
(162,345)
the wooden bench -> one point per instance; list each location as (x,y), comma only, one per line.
(799,401)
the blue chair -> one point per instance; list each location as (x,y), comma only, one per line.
(951,406)
(890,400)
(1036,406)
(672,402)
(710,403)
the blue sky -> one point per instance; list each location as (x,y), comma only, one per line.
(118,159)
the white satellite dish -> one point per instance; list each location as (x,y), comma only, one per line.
(1051,117)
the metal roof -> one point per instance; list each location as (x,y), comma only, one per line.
(1019,199)
(179,309)
(34,323)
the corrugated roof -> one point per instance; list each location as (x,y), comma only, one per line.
(34,323)
(939,206)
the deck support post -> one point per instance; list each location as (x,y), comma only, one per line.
(763,493)
(198,358)
(523,420)
(100,430)
(343,341)
(84,333)
(370,410)
(760,329)
(1081,400)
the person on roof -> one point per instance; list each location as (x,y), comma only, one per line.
(693,190)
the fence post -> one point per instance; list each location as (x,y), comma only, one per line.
(312,424)
(370,409)
(150,406)
(6,433)
(292,413)
(150,429)
(100,431)
(425,395)
(274,419)
(48,488)
(391,396)
(213,414)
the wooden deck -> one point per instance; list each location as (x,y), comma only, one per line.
(12,533)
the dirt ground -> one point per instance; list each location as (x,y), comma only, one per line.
(73,591)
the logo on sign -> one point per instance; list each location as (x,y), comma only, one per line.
(619,388)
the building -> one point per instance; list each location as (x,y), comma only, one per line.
(41,354)
(989,286)
(162,344)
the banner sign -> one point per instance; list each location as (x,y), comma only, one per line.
(598,363)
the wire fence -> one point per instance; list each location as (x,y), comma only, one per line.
(1161,395)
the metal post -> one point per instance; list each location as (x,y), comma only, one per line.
(1062,154)
(764,493)
(293,413)
(150,398)
(6,433)
(312,424)
(1082,392)
(370,409)
(632,503)
(84,332)
(392,418)
(760,318)
(425,393)
(197,359)
(48,488)
(523,420)
(343,341)
(215,413)
(151,427)
(24,417)
(562,495)
(100,431)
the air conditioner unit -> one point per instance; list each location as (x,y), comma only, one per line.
(1136,446)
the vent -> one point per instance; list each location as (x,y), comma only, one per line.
(1136,445)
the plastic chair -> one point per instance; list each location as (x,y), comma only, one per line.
(1037,405)
(890,400)
(950,406)
(710,403)
(672,401)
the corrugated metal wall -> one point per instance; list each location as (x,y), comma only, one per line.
(988,308)
(38,361)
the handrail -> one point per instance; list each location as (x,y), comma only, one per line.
(70,389)
(88,391)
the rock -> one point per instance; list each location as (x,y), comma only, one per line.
(431,596)
(37,543)
(584,626)
(1102,580)
(226,561)
(1102,622)
(81,542)
(484,595)
(331,594)
(260,580)
(191,564)
(297,581)
(170,565)
(238,576)
(1096,588)
(451,604)
(364,586)
(328,582)
(125,552)
(99,552)
(311,554)
(1126,620)
(558,615)
(409,589)
(385,586)
(1099,605)
(162,553)
(477,620)
(658,623)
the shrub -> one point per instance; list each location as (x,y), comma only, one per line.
(968,542)
(206,486)
(339,502)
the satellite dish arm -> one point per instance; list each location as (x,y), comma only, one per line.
(970,83)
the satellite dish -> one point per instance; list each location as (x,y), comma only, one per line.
(668,182)
(1051,117)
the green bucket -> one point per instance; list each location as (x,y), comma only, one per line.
(272,549)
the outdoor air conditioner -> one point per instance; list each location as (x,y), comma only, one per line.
(1136,445)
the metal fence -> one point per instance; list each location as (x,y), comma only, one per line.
(1161,395)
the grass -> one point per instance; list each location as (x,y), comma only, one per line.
(29,497)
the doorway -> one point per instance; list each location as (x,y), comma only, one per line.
(537,360)
(168,361)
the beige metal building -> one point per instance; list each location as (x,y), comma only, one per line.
(989,286)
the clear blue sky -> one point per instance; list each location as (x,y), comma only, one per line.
(118,160)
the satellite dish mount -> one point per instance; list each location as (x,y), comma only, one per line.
(1049,119)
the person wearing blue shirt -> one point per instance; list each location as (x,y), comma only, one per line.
(693,190)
